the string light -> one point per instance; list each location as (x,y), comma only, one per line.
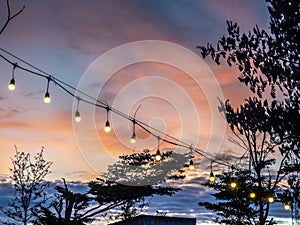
(12,83)
(157,154)
(252,194)
(96,102)
(270,199)
(47,98)
(176,142)
(133,136)
(287,206)
(77,117)
(107,125)
(233,184)
(191,166)
(211,176)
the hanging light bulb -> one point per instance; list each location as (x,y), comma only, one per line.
(252,194)
(47,98)
(47,95)
(270,199)
(107,128)
(157,155)
(107,125)
(77,116)
(211,176)
(133,136)
(287,206)
(233,184)
(12,83)
(191,166)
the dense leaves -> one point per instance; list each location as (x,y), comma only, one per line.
(268,62)
(264,59)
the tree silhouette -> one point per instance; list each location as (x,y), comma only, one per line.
(255,127)
(105,194)
(267,63)
(29,187)
(66,208)
(133,178)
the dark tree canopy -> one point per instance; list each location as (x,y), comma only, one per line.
(264,59)
(268,62)
(103,194)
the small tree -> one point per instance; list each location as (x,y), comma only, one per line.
(29,187)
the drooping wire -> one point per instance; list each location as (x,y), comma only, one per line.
(102,104)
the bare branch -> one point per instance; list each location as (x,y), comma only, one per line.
(9,16)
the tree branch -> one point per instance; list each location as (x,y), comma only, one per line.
(9,17)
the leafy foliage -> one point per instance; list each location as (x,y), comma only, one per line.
(132,179)
(264,59)
(267,62)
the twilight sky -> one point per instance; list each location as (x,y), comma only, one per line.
(66,39)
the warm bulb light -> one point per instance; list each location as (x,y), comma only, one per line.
(233,184)
(133,139)
(271,199)
(157,155)
(77,117)
(252,195)
(107,127)
(211,177)
(12,85)
(287,206)
(191,166)
(47,98)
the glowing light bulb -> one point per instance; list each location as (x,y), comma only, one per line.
(233,184)
(191,166)
(271,199)
(107,128)
(12,85)
(287,206)
(133,139)
(211,177)
(47,98)
(157,155)
(77,116)
(252,194)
